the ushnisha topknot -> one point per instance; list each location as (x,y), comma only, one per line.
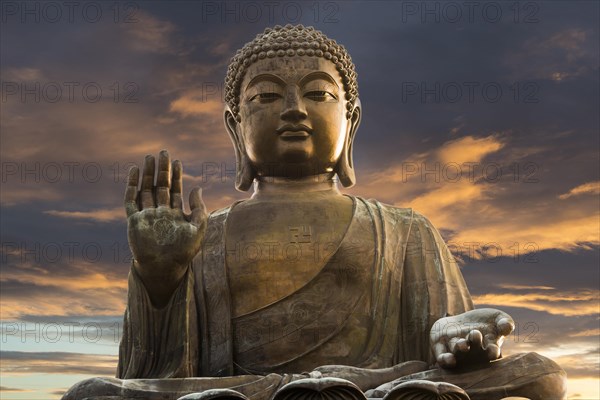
(288,41)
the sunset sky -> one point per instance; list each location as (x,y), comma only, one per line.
(482,117)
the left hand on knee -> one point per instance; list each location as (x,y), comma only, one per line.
(473,337)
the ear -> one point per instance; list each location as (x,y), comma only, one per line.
(244,175)
(345,166)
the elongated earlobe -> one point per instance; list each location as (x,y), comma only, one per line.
(345,166)
(244,175)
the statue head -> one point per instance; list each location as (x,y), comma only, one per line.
(292,106)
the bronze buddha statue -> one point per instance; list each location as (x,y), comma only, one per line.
(300,290)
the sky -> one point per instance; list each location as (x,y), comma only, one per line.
(483,116)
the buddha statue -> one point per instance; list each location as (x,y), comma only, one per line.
(300,291)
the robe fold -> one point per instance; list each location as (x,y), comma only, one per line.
(371,305)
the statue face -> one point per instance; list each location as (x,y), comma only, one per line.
(293,116)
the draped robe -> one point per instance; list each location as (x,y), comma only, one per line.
(371,305)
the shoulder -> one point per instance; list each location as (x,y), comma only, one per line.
(404,214)
(404,220)
(220,213)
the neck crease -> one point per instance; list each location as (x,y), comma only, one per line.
(278,186)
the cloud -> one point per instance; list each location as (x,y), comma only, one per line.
(583,389)
(468,149)
(530,234)
(24,74)
(421,173)
(151,34)
(80,290)
(587,333)
(578,360)
(9,389)
(569,40)
(17,194)
(586,188)
(108,215)
(56,302)
(524,287)
(558,303)
(192,104)
(449,185)
(84,278)
(173,60)
(562,55)
(20,362)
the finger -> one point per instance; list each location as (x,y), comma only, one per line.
(446,360)
(505,325)
(197,206)
(147,183)
(131,192)
(439,348)
(177,185)
(489,339)
(163,180)
(475,339)
(492,352)
(458,345)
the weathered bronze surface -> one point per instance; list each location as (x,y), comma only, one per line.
(252,301)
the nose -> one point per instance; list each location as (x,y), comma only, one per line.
(293,107)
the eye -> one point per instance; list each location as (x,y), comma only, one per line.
(266,97)
(320,96)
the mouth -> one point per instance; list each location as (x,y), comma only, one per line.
(294,131)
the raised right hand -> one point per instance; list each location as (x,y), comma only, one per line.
(162,238)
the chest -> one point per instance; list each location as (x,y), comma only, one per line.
(275,248)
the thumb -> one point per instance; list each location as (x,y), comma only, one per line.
(505,324)
(197,207)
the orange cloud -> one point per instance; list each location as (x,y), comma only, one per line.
(107,215)
(82,281)
(66,303)
(468,149)
(84,292)
(557,303)
(191,104)
(18,363)
(530,235)
(524,287)
(587,333)
(440,184)
(17,194)
(586,188)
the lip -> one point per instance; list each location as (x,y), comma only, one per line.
(294,131)
(294,134)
